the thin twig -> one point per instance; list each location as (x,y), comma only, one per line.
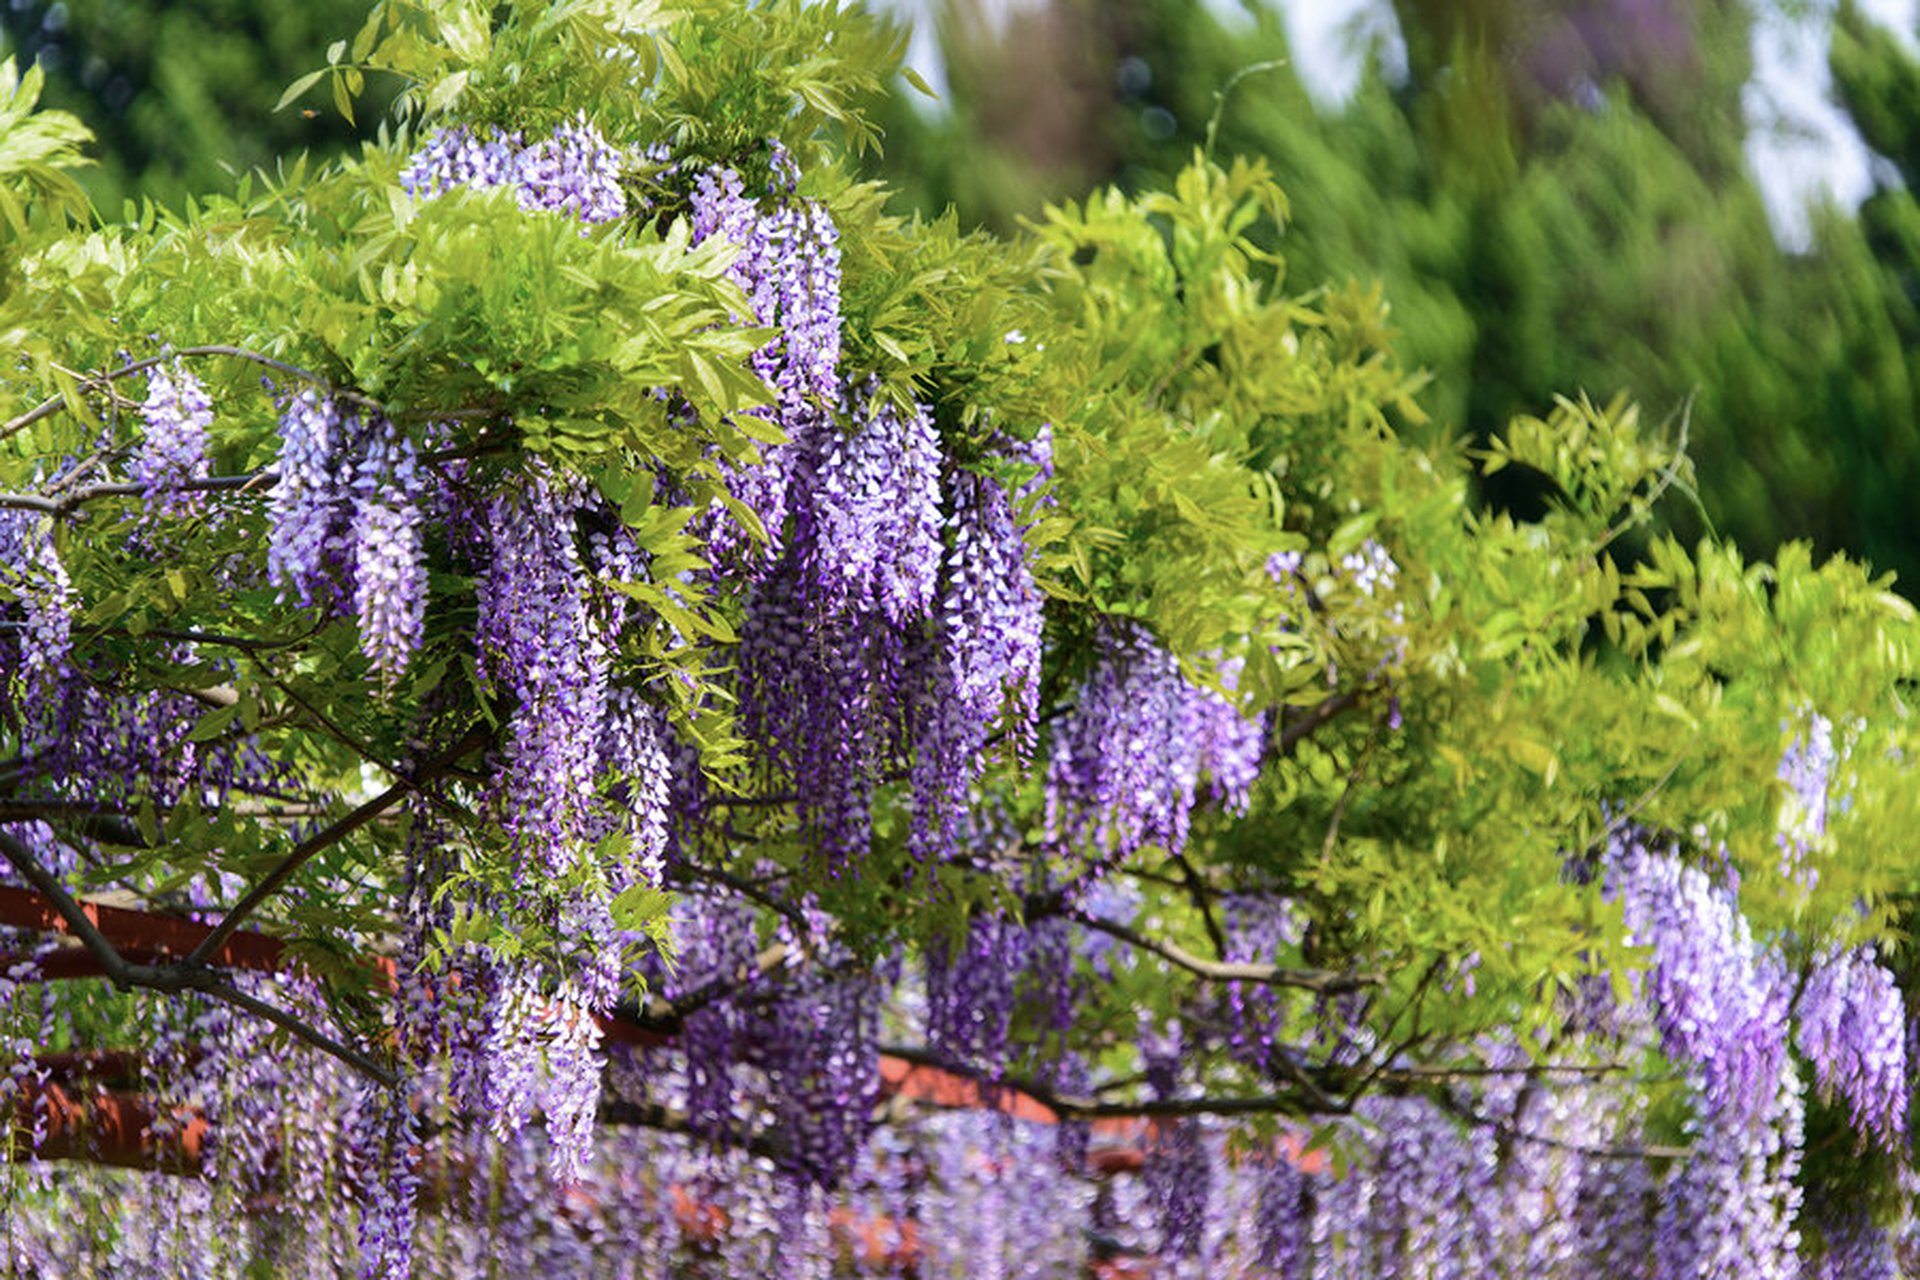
(98,381)
(1326,981)
(1202,898)
(332,835)
(127,489)
(1623,1151)
(1292,733)
(173,978)
(668,1017)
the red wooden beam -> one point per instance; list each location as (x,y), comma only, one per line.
(149,937)
(104,1126)
(941,1088)
(144,937)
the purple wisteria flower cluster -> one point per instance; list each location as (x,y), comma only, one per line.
(1258,928)
(575,171)
(1806,767)
(971,989)
(876,504)
(34,652)
(541,648)
(389,558)
(980,672)
(1719,997)
(346,525)
(787,262)
(173,447)
(1127,760)
(1720,1001)
(892,610)
(1853,1029)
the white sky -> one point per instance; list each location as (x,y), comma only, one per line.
(1799,143)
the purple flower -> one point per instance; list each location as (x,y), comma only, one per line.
(788,265)
(1853,1028)
(173,449)
(575,172)
(389,564)
(876,503)
(456,158)
(308,499)
(30,567)
(540,644)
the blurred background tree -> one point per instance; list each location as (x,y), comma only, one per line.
(179,93)
(1555,197)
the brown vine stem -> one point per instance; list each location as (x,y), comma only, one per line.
(66,504)
(53,404)
(1325,981)
(331,835)
(172,979)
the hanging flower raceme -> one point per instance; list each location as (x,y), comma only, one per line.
(824,694)
(1122,771)
(575,171)
(385,1146)
(1720,1003)
(541,645)
(1718,997)
(44,603)
(1257,927)
(1179,1174)
(876,512)
(1806,767)
(173,448)
(816,1043)
(714,940)
(979,672)
(1732,1208)
(991,612)
(457,157)
(788,265)
(1853,1028)
(970,991)
(389,562)
(309,495)
(346,525)
(1228,744)
(633,759)
(542,1055)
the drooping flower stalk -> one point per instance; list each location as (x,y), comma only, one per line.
(173,447)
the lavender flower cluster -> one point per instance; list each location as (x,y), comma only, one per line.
(1127,760)
(876,513)
(173,448)
(981,670)
(1720,1001)
(970,991)
(1806,767)
(1719,997)
(788,264)
(34,654)
(1853,1029)
(345,524)
(541,648)
(574,172)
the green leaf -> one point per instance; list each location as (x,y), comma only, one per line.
(914,78)
(298,88)
(213,724)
